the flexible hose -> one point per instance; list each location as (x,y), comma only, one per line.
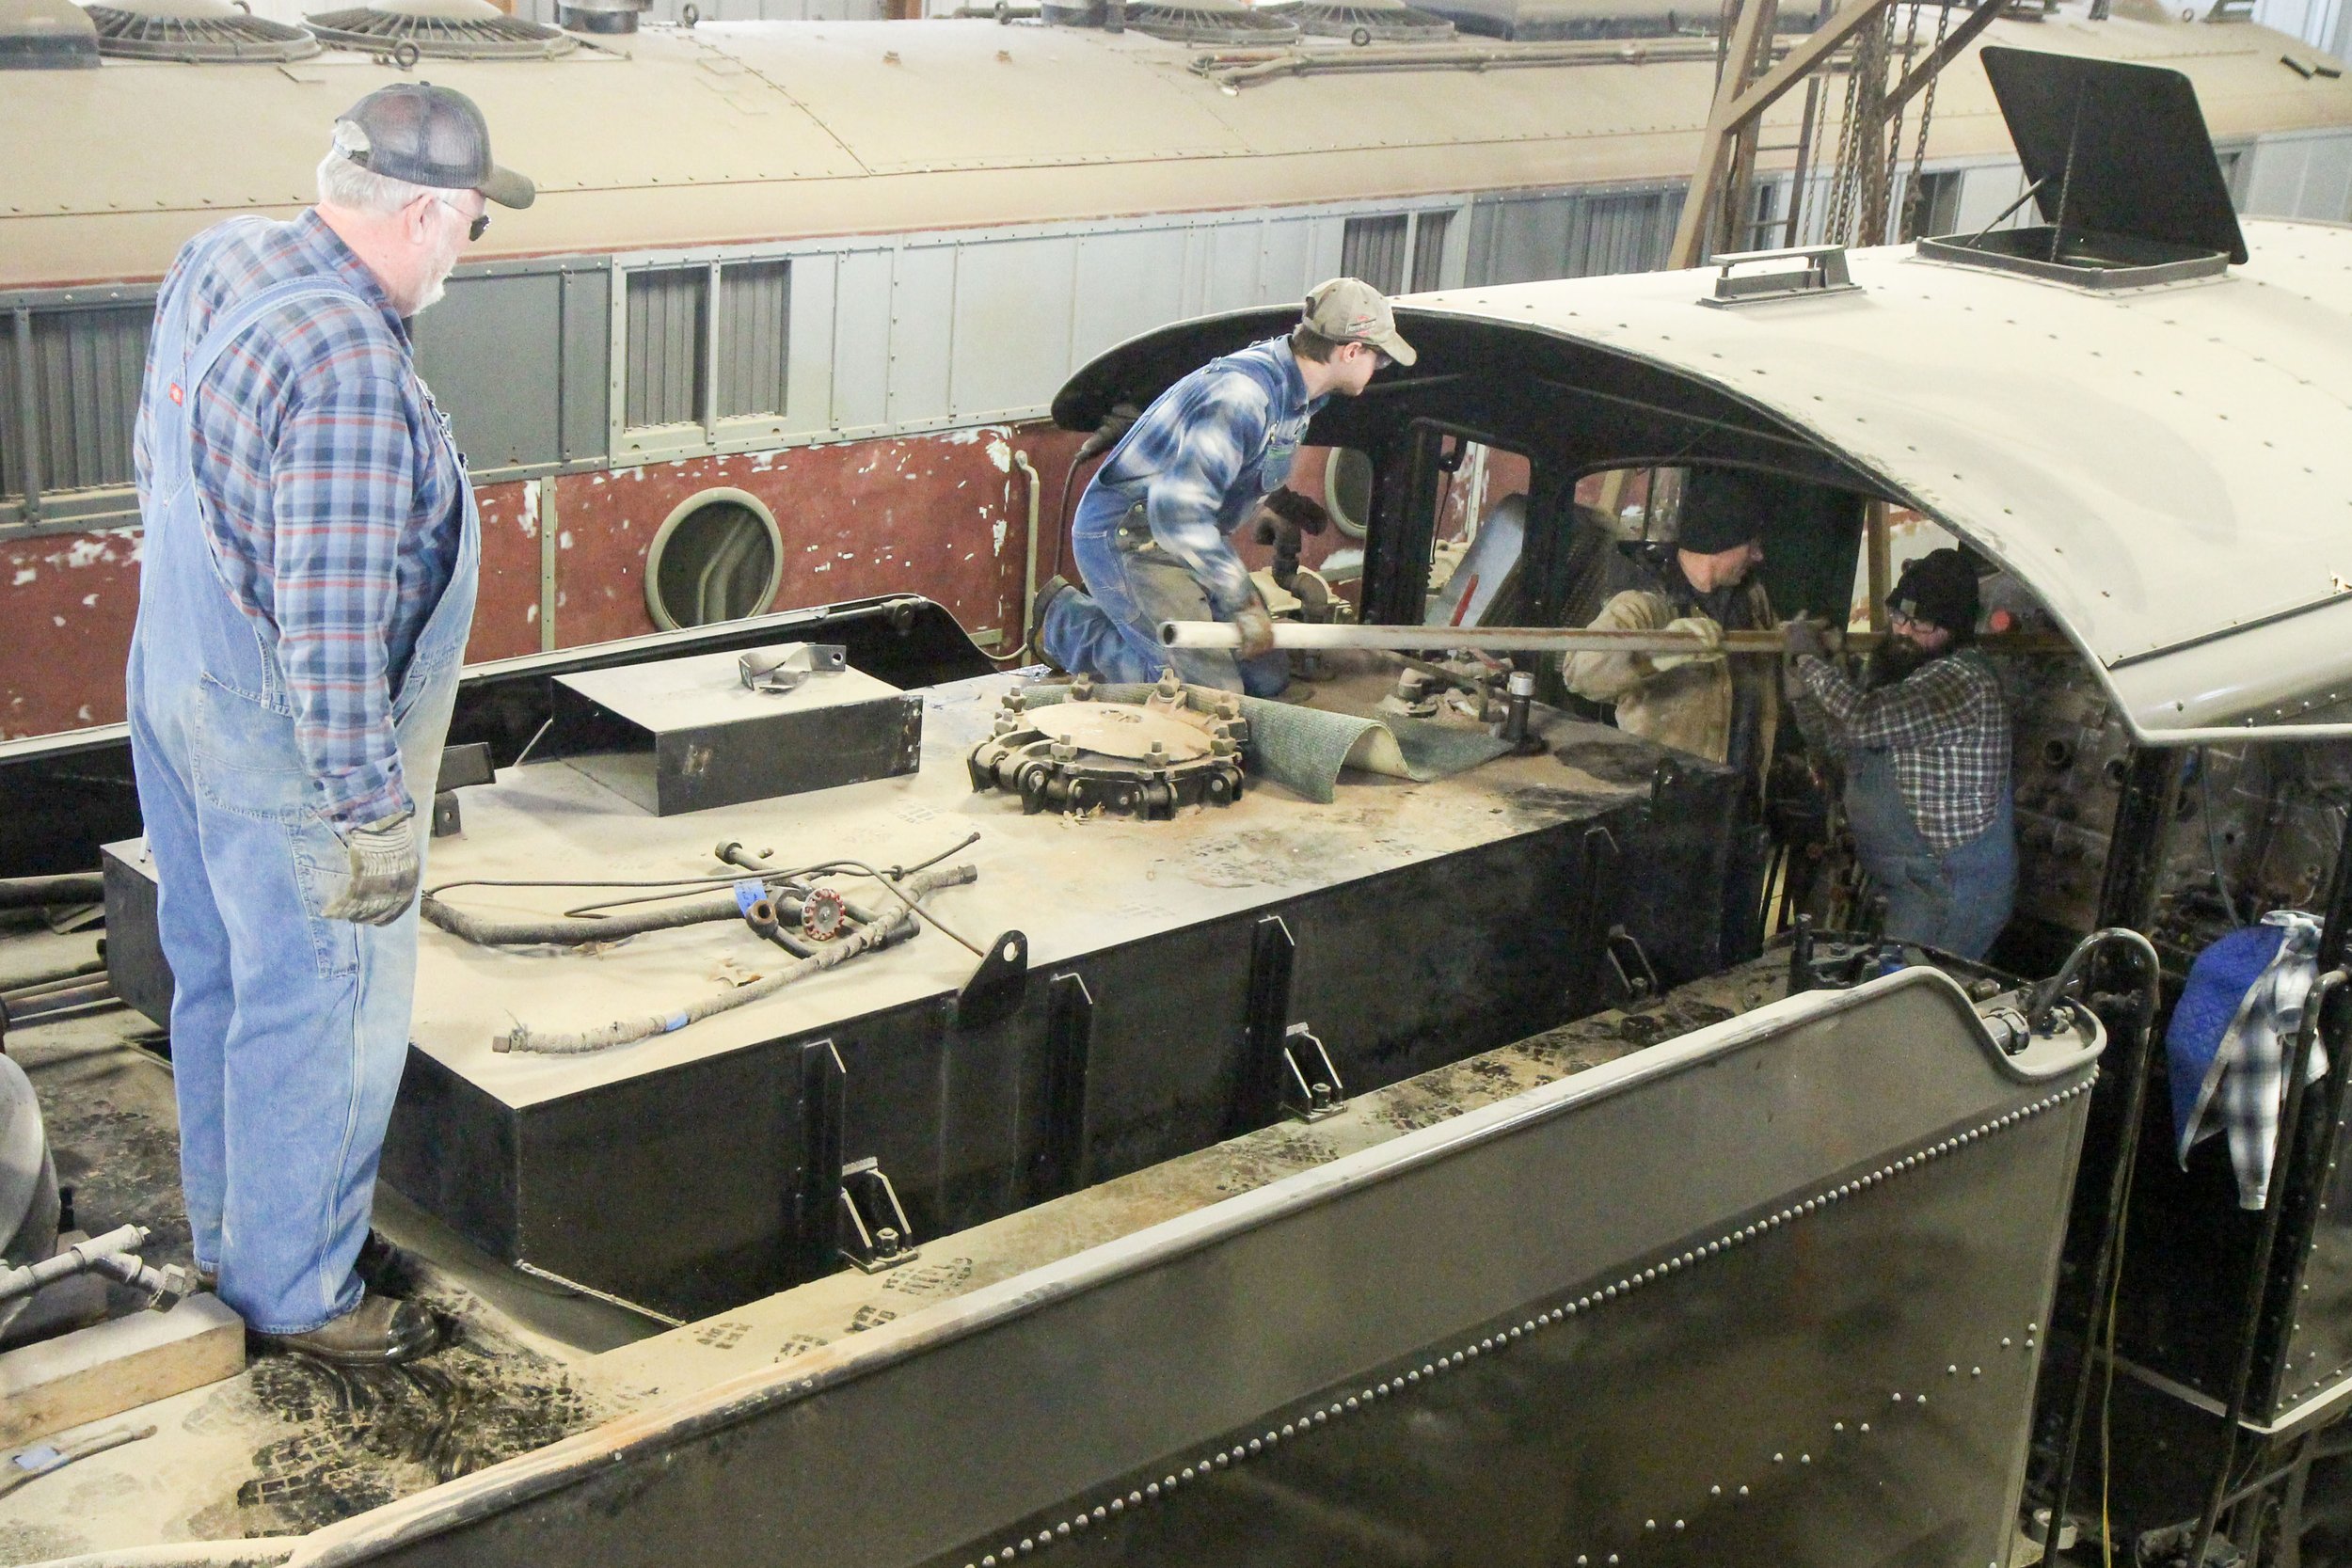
(629,1031)
(574,933)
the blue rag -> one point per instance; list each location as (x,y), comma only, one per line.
(2217,984)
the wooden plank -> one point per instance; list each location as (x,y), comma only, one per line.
(103,1371)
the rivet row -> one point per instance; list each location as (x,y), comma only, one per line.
(1503,1339)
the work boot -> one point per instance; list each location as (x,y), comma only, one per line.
(380,1331)
(1056,586)
(386,1270)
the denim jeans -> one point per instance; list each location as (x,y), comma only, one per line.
(1957,901)
(288,1031)
(1112,631)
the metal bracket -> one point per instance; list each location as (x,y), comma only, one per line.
(878,1232)
(462,766)
(1822,271)
(1311,1089)
(823,1093)
(1260,1089)
(1629,977)
(785,667)
(1060,1164)
(997,986)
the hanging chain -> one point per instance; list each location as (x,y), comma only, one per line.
(1912,193)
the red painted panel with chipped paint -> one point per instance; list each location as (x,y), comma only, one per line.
(945,515)
(66,602)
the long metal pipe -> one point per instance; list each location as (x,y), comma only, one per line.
(33,893)
(1574,640)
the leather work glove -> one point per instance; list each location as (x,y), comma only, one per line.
(1710,635)
(1257,630)
(1805,638)
(1300,511)
(385,863)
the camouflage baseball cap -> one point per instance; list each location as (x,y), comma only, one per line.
(1350,310)
(431,137)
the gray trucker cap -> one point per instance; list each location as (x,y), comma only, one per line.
(431,137)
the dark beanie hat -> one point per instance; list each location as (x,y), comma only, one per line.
(1722,509)
(1939,588)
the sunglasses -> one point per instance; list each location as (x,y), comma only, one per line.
(480,221)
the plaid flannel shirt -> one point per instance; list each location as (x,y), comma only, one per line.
(328,486)
(2248,1077)
(1202,456)
(1947,728)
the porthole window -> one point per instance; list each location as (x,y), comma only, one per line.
(719,557)
(1347,490)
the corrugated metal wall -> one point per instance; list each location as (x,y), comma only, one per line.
(754,337)
(667,333)
(1374,249)
(1520,238)
(1429,237)
(86,364)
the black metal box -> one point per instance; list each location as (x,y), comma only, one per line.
(687,733)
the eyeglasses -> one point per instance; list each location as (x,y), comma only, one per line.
(1897,621)
(480,221)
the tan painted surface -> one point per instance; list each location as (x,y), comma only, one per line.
(771,130)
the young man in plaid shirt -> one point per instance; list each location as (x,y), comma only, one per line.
(1926,749)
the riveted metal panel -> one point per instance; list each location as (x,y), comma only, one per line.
(585,364)
(754,337)
(87,365)
(921,325)
(469,349)
(1520,239)
(662,378)
(1286,266)
(1234,256)
(1127,284)
(809,350)
(1012,324)
(862,310)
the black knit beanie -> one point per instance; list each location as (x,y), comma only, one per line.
(1722,509)
(1939,588)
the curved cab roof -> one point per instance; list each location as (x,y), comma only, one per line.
(2163,468)
(758,132)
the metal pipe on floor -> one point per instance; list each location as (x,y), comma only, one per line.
(30,1009)
(36,892)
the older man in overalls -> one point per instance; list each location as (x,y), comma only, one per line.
(1154,535)
(307,586)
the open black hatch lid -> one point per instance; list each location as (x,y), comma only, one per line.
(2119,149)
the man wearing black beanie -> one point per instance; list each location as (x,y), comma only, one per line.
(1698,702)
(1926,750)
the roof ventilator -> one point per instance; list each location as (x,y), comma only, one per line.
(2122,167)
(1747,276)
(1221,21)
(1363,22)
(46,35)
(410,30)
(195,31)
(600,16)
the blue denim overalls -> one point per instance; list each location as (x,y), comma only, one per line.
(1956,902)
(1112,630)
(288,1031)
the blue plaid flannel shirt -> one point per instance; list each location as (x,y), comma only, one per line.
(1202,456)
(329,488)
